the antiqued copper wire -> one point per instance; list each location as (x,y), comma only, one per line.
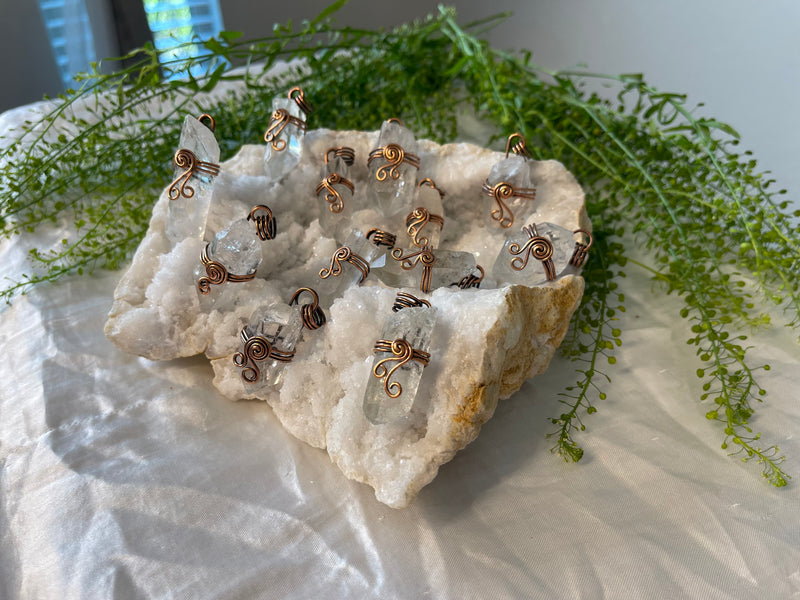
(382,238)
(394,155)
(406,300)
(471,280)
(541,248)
(503,191)
(257,349)
(430,183)
(280,119)
(217,274)
(187,160)
(409,261)
(332,196)
(520,147)
(345,254)
(266,224)
(345,153)
(299,96)
(402,352)
(395,120)
(211,123)
(416,220)
(581,252)
(311,313)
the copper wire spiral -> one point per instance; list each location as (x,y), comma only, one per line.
(541,248)
(332,195)
(410,261)
(394,155)
(471,280)
(344,152)
(402,352)
(311,313)
(345,254)
(581,252)
(299,96)
(503,191)
(187,160)
(257,349)
(280,119)
(209,121)
(430,183)
(266,225)
(406,300)
(416,220)
(519,148)
(382,238)
(217,274)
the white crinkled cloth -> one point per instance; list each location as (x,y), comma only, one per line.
(125,478)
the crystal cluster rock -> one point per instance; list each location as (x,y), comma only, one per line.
(414,325)
(515,171)
(448,268)
(428,233)
(333,286)
(278,163)
(281,326)
(390,195)
(335,212)
(186,217)
(533,273)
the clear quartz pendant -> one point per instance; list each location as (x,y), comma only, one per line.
(285,146)
(237,250)
(425,269)
(335,195)
(395,374)
(393,166)
(186,216)
(268,343)
(534,255)
(425,223)
(509,185)
(349,265)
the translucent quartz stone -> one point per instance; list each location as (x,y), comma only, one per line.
(281,325)
(534,273)
(186,217)
(450,267)
(236,248)
(414,325)
(430,233)
(392,196)
(515,171)
(335,223)
(333,286)
(278,163)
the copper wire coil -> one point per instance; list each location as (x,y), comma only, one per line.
(406,300)
(430,183)
(471,280)
(520,148)
(266,224)
(382,238)
(299,96)
(344,152)
(257,349)
(416,220)
(539,247)
(345,254)
(311,313)
(187,160)
(503,191)
(395,120)
(332,195)
(217,274)
(394,155)
(211,123)
(581,253)
(402,352)
(410,261)
(278,122)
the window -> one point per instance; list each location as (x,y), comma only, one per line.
(67,25)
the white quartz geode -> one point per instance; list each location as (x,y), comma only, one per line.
(486,341)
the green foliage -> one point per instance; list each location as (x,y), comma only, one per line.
(717,235)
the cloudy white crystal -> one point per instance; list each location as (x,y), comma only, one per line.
(393,196)
(278,163)
(533,273)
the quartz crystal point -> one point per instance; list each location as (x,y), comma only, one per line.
(422,223)
(398,378)
(263,365)
(520,260)
(508,209)
(334,278)
(392,180)
(448,267)
(279,159)
(238,249)
(186,217)
(335,197)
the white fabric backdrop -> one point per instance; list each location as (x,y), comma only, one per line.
(125,478)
